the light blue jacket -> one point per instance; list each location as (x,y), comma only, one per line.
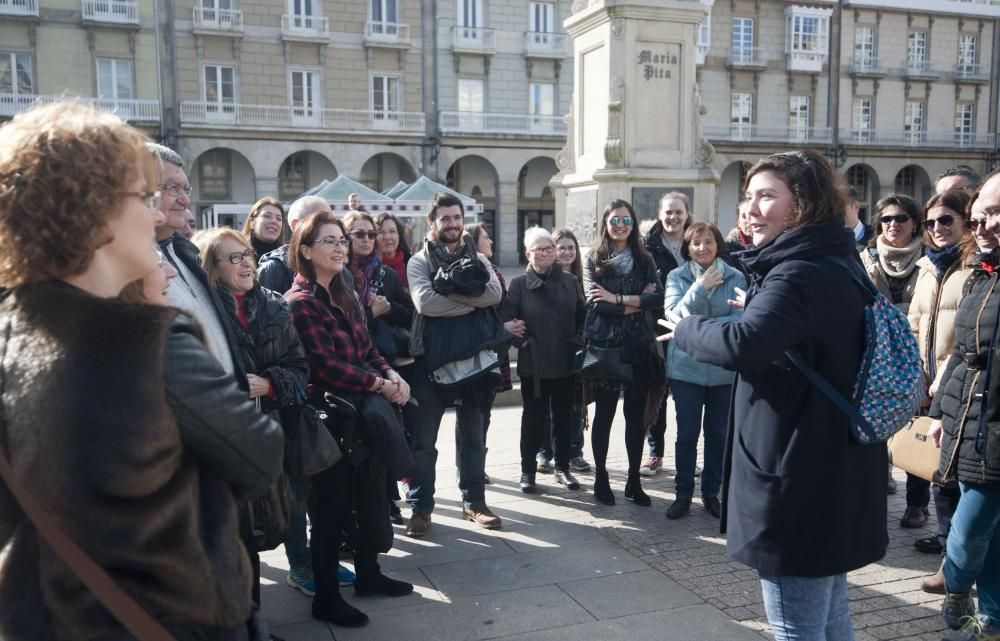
(682,290)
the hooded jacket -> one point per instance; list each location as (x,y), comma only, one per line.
(801,496)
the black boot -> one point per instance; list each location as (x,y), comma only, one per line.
(602,488)
(371,581)
(633,491)
(339,612)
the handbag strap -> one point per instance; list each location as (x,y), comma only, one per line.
(123,607)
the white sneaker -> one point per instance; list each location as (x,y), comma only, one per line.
(651,466)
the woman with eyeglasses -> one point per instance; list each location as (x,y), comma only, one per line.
(391,245)
(936,297)
(273,359)
(343,363)
(550,302)
(570,259)
(621,285)
(265,226)
(102,398)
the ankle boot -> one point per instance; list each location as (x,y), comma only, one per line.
(633,492)
(934,584)
(338,612)
(379,584)
(602,488)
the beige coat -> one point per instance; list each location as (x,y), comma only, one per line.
(932,313)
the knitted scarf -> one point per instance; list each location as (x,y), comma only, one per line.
(697,270)
(898,262)
(943,258)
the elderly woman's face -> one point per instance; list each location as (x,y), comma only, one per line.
(236,265)
(267,224)
(541,255)
(156,284)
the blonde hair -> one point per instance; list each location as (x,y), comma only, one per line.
(64,171)
(209,242)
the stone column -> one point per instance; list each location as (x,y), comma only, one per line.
(636,129)
(507,224)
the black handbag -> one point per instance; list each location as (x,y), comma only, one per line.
(310,448)
(606,363)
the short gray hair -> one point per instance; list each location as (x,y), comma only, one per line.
(166,154)
(306,206)
(534,234)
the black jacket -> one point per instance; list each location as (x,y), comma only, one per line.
(956,402)
(387,283)
(802,497)
(553,310)
(273,271)
(665,261)
(187,253)
(270,346)
(131,434)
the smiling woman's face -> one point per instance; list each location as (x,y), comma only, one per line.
(238,276)
(769,207)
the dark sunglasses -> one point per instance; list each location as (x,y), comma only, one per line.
(975,223)
(621,220)
(361,235)
(945,220)
(899,219)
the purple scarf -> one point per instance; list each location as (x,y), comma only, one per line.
(364,270)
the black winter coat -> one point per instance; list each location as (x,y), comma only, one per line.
(270,346)
(801,497)
(956,402)
(664,259)
(553,311)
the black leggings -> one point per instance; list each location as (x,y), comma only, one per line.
(606,404)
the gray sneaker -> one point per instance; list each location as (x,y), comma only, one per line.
(579,464)
(544,464)
(957,608)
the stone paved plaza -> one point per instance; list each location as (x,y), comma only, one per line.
(564,568)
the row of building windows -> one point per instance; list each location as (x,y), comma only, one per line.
(806,33)
(862,117)
(115,80)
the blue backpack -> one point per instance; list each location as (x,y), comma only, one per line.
(890,382)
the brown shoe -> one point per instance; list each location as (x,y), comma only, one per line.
(934,584)
(482,516)
(419,522)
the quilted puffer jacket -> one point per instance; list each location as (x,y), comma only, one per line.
(957,403)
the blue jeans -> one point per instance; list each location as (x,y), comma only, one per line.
(297,543)
(807,609)
(469,400)
(974,547)
(689,399)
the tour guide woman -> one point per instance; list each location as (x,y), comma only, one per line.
(801,536)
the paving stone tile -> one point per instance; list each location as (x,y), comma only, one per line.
(632,593)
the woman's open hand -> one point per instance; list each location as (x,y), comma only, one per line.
(710,278)
(740,301)
(669,321)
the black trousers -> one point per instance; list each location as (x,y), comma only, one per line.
(606,404)
(555,398)
(342,496)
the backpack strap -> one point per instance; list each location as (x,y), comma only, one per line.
(871,293)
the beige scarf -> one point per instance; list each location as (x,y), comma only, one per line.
(899,262)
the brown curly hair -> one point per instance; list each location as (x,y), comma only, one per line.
(63,168)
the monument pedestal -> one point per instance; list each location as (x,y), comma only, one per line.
(635,127)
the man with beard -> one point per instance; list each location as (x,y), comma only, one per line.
(446,247)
